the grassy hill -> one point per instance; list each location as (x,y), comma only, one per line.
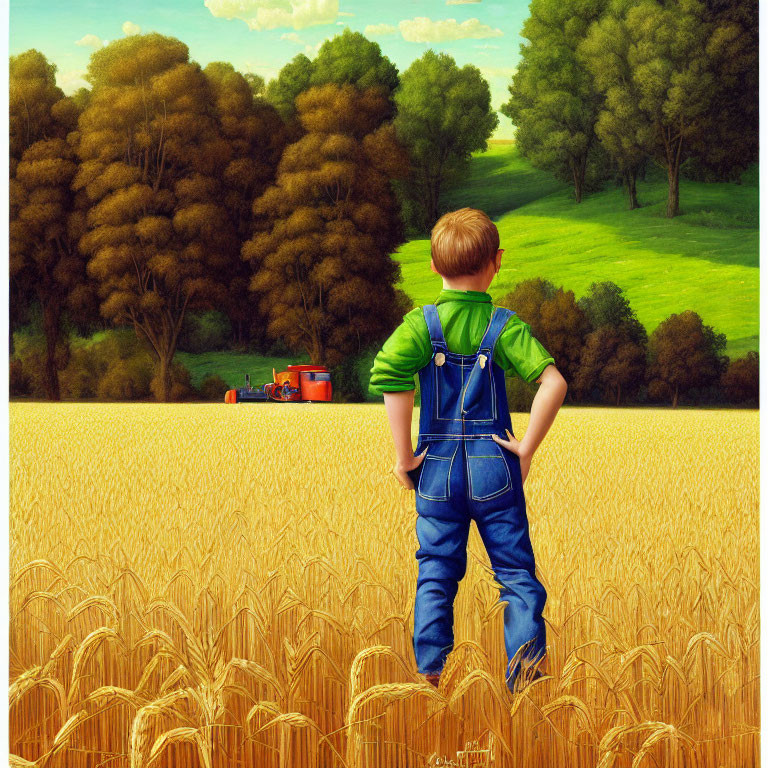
(705,259)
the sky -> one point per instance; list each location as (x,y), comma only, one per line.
(261,36)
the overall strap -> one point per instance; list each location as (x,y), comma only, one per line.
(435,328)
(495,327)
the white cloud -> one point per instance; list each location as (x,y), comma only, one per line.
(345,13)
(380,29)
(423,30)
(70,81)
(460,2)
(271,14)
(488,46)
(90,41)
(293,37)
(311,50)
(129,28)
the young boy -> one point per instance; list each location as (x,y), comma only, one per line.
(464,467)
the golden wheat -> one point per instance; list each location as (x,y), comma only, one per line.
(221,586)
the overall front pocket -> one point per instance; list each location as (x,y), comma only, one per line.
(436,470)
(487,469)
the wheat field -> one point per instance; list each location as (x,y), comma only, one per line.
(220,586)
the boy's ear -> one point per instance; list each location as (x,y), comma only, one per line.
(432,266)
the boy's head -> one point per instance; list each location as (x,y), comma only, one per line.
(464,242)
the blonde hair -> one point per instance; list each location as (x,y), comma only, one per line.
(463,242)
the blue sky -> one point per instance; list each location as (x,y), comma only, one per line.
(262,35)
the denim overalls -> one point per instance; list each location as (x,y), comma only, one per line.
(466,476)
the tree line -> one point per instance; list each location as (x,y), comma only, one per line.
(606,355)
(167,189)
(605,86)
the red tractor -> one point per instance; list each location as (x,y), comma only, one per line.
(307,383)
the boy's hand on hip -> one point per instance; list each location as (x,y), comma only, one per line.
(516,446)
(401,469)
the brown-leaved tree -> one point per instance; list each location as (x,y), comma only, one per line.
(324,274)
(683,353)
(152,161)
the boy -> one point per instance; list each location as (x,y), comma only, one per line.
(463,467)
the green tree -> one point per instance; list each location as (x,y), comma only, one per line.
(443,115)
(660,68)
(152,164)
(728,141)
(326,229)
(292,79)
(256,83)
(605,304)
(351,58)
(683,354)
(553,98)
(620,124)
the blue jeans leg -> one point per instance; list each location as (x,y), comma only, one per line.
(504,530)
(442,557)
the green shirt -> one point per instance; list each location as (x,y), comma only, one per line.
(464,316)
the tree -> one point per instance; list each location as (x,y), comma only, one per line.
(683,354)
(255,137)
(613,357)
(256,83)
(553,98)
(44,220)
(326,228)
(611,360)
(605,305)
(37,107)
(443,115)
(664,50)
(351,58)
(528,298)
(292,79)
(728,140)
(741,380)
(562,329)
(152,164)
(619,126)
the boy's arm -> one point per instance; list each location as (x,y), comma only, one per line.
(399,407)
(544,408)
(394,367)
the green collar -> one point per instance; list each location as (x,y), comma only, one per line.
(454,294)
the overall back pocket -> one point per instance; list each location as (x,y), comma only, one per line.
(487,470)
(436,470)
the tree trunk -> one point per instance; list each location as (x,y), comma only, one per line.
(631,179)
(673,198)
(51,327)
(618,394)
(674,399)
(164,377)
(579,171)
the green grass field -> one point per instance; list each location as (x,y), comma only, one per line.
(706,259)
